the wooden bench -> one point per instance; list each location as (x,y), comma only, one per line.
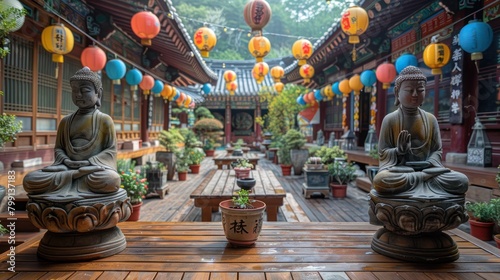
(360,156)
(225,160)
(221,185)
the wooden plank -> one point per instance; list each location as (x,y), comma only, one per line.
(85,275)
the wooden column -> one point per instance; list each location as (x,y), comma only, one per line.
(144,117)
(227,126)
(258,131)
(166,115)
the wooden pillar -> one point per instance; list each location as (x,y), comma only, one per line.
(227,126)
(144,117)
(166,115)
(257,130)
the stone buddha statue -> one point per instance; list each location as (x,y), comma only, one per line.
(78,198)
(414,196)
(410,147)
(85,149)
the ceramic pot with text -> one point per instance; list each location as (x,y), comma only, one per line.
(242,227)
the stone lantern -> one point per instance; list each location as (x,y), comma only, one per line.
(371,140)
(479,147)
(349,140)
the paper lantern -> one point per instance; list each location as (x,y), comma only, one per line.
(300,100)
(58,40)
(205,40)
(306,71)
(146,26)
(336,89)
(187,101)
(259,47)
(147,84)
(255,75)
(206,88)
(436,55)
(344,87)
(133,78)
(386,72)
(405,60)
(354,22)
(257,14)
(116,70)
(157,88)
(317,95)
(166,92)
(279,87)
(231,87)
(475,38)
(310,97)
(328,92)
(368,78)
(19,21)
(261,69)
(94,58)
(229,76)
(181,98)
(176,95)
(277,73)
(302,49)
(355,83)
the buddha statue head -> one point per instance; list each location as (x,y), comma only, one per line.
(86,88)
(409,73)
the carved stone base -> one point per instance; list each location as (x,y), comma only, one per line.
(81,246)
(431,247)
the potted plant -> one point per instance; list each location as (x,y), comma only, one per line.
(135,184)
(246,183)
(209,130)
(242,218)
(497,178)
(482,217)
(342,173)
(237,151)
(496,209)
(195,156)
(285,161)
(314,163)
(242,168)
(170,140)
(294,141)
(156,174)
(182,165)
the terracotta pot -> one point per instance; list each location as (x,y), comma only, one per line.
(338,191)
(242,172)
(182,176)
(136,212)
(480,230)
(195,168)
(497,240)
(248,222)
(209,153)
(286,170)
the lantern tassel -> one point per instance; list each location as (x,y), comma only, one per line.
(477,66)
(57,71)
(354,52)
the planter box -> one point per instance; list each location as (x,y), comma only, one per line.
(157,182)
(316,181)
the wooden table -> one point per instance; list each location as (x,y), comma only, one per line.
(226,160)
(360,156)
(310,250)
(221,185)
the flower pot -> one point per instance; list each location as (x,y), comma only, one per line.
(168,160)
(209,153)
(286,170)
(242,172)
(246,183)
(497,240)
(242,226)
(481,230)
(136,212)
(299,158)
(182,176)
(338,191)
(195,168)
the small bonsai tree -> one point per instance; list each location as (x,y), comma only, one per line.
(209,131)
(342,172)
(481,211)
(284,156)
(294,140)
(203,113)
(190,139)
(170,139)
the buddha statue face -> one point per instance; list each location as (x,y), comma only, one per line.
(411,93)
(86,89)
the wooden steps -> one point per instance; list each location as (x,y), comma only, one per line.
(364,184)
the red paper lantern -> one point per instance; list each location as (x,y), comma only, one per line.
(147,84)
(146,26)
(257,14)
(386,72)
(94,58)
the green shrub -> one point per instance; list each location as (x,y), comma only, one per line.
(294,140)
(328,155)
(481,211)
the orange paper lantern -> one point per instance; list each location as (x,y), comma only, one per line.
(355,83)
(344,87)
(277,73)
(205,40)
(229,76)
(259,47)
(231,87)
(94,58)
(386,72)
(306,71)
(146,26)
(436,55)
(147,84)
(261,69)
(302,49)
(279,87)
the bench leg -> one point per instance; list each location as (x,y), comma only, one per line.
(272,213)
(206,214)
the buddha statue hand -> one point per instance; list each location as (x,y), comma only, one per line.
(404,142)
(85,170)
(75,164)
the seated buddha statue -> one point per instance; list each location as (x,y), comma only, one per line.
(85,149)
(410,147)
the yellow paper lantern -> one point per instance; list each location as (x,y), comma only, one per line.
(328,92)
(231,87)
(354,22)
(261,69)
(166,92)
(279,87)
(229,76)
(205,40)
(344,87)
(302,49)
(436,55)
(58,40)
(277,73)
(259,47)
(355,83)
(306,71)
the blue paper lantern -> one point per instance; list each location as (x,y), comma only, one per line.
(335,88)
(475,38)
(133,78)
(116,69)
(177,95)
(405,60)
(301,100)
(157,88)
(317,95)
(206,88)
(368,78)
